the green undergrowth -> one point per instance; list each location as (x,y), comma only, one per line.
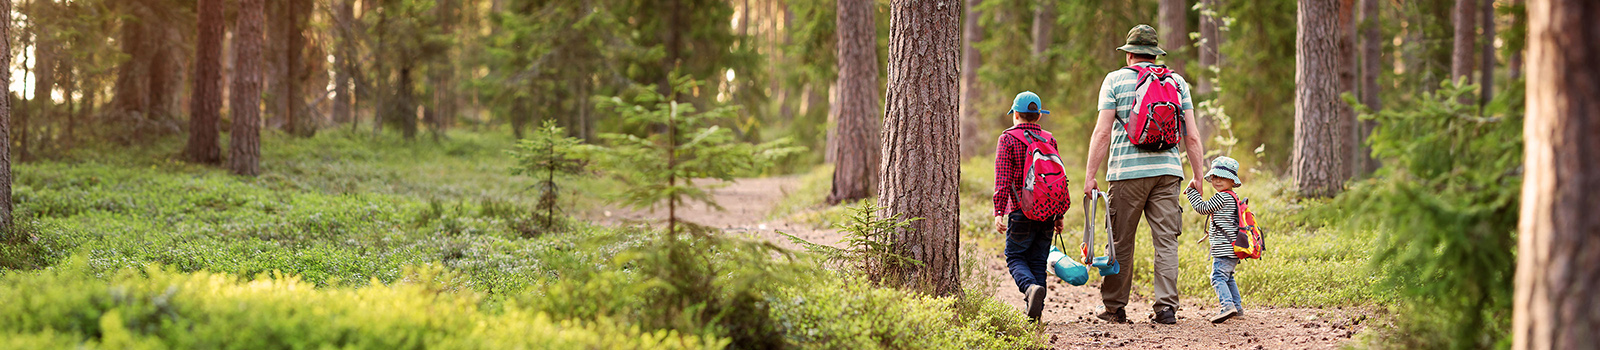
(350,242)
(1312,260)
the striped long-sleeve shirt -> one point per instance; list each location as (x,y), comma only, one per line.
(1223,224)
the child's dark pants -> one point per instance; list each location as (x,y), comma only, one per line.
(1027,248)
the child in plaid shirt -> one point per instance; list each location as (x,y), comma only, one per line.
(1221,229)
(1027,240)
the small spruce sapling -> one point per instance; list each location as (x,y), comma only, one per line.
(548,155)
(661,167)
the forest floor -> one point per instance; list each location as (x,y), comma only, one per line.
(1069,310)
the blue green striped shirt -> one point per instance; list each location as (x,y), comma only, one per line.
(1128,162)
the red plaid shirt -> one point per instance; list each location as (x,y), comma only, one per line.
(1010,162)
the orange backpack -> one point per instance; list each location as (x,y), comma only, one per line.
(1248,244)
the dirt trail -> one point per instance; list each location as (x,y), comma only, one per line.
(1069,313)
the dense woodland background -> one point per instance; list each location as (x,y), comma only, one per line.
(125,71)
(1384,138)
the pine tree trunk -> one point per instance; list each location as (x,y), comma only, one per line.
(1210,53)
(44,76)
(244,155)
(344,27)
(1371,64)
(1559,233)
(5,124)
(296,73)
(1174,33)
(1319,166)
(1486,75)
(971,61)
(856,160)
(1514,63)
(920,173)
(205,103)
(1461,60)
(1044,18)
(1347,84)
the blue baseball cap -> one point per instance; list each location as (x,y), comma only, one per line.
(1023,99)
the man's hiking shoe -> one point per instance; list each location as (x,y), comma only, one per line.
(1118,316)
(1226,313)
(1035,299)
(1165,315)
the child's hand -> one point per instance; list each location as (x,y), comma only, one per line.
(1000,223)
(1195,184)
(1059,224)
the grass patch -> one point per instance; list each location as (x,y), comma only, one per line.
(347,241)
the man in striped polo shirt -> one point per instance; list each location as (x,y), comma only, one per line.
(1143,183)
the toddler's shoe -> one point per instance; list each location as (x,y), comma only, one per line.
(1228,311)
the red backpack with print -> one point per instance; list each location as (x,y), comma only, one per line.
(1156,121)
(1043,196)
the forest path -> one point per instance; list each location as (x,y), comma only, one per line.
(1069,310)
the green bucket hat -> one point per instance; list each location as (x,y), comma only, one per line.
(1142,39)
(1226,168)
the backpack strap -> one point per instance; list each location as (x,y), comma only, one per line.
(1238,209)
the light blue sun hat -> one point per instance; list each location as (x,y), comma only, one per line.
(1226,168)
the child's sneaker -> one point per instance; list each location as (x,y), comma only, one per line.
(1228,311)
(1035,301)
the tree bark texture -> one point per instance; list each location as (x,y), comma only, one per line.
(244,155)
(295,73)
(344,26)
(1174,33)
(149,82)
(856,160)
(1461,54)
(1371,64)
(1486,75)
(1558,250)
(1319,164)
(920,173)
(205,101)
(1044,18)
(5,123)
(1210,53)
(971,61)
(1347,83)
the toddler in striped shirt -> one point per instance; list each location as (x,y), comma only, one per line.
(1221,228)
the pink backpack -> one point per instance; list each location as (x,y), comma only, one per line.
(1156,122)
(1044,183)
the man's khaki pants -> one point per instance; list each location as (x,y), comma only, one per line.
(1155,198)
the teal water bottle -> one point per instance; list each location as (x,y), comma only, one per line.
(1067,269)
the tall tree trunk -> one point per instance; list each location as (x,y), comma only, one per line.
(1486,76)
(442,75)
(971,61)
(920,173)
(44,79)
(296,73)
(1211,43)
(205,103)
(856,157)
(1044,17)
(1514,63)
(244,144)
(1319,167)
(1371,64)
(1559,233)
(1210,58)
(5,125)
(1347,84)
(344,27)
(1461,64)
(405,101)
(1174,32)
